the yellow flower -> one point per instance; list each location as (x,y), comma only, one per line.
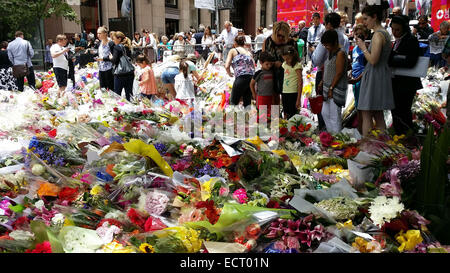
(364,246)
(44,99)
(115,247)
(408,240)
(206,189)
(146,248)
(97,189)
(188,236)
(348,224)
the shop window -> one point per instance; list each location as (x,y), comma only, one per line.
(90,15)
(172,3)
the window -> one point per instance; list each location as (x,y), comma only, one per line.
(263,13)
(124,8)
(172,3)
(89,13)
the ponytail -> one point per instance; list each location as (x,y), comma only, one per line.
(184,67)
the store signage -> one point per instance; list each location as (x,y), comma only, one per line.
(294,11)
(439,13)
(205,4)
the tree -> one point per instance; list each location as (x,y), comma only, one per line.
(25,15)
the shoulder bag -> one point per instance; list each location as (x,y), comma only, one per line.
(419,70)
(21,70)
(125,66)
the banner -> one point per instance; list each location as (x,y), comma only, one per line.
(439,13)
(204,4)
(294,11)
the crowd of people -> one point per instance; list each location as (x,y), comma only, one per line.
(267,69)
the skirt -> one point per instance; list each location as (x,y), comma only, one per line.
(7,80)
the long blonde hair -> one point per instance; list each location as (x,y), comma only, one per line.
(123,39)
(281,26)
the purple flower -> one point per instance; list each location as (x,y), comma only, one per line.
(161,148)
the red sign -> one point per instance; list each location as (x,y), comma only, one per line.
(293,11)
(439,13)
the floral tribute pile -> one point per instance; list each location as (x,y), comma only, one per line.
(93,173)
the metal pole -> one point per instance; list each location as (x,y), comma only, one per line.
(217,17)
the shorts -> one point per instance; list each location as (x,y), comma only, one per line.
(61,76)
(168,75)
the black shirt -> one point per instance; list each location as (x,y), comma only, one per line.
(424,33)
(4,60)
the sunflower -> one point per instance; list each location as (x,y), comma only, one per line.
(146,248)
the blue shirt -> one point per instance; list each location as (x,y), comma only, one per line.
(17,52)
(320,54)
(48,55)
(358,62)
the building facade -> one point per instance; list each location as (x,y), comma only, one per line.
(160,16)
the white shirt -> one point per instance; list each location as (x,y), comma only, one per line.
(437,45)
(61,60)
(315,39)
(259,40)
(184,87)
(208,41)
(228,37)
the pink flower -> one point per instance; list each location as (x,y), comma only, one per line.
(224,191)
(389,190)
(279,245)
(240,195)
(403,161)
(292,242)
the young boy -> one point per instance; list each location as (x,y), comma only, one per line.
(262,83)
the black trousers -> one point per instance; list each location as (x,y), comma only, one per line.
(71,74)
(121,82)
(402,114)
(289,100)
(241,89)
(319,77)
(31,78)
(106,79)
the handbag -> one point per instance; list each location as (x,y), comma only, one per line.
(316,104)
(125,66)
(21,70)
(418,71)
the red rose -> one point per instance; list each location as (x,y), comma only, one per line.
(45,247)
(283,131)
(301,128)
(110,221)
(326,139)
(293,129)
(68,194)
(52,133)
(273,205)
(308,126)
(116,109)
(21,223)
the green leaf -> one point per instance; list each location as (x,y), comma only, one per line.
(54,242)
(40,232)
(17,209)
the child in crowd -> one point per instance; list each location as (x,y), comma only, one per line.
(184,84)
(147,82)
(358,64)
(292,83)
(334,82)
(262,83)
